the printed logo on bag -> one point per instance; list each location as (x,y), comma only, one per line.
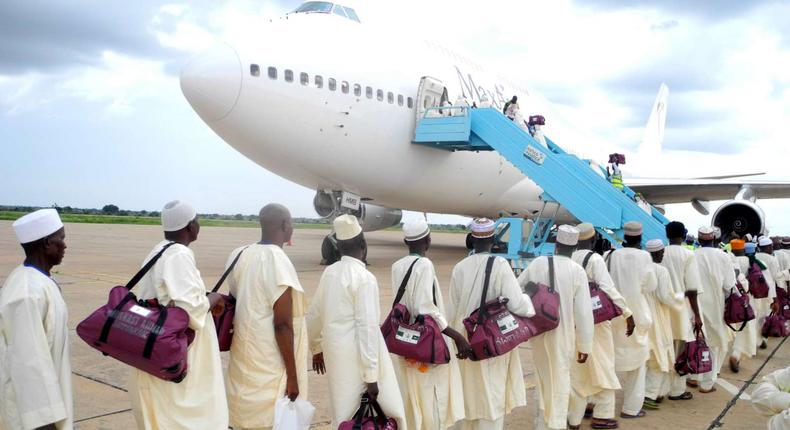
(507,324)
(139,310)
(705,356)
(407,335)
(596,303)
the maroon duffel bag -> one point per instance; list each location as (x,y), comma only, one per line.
(224,321)
(422,340)
(492,329)
(141,333)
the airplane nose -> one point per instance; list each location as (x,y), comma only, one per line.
(211,82)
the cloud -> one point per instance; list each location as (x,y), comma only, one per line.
(38,36)
(709,11)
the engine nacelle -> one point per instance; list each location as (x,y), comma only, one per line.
(741,217)
(372,217)
(375,217)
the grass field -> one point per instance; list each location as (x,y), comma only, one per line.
(149,220)
(204,222)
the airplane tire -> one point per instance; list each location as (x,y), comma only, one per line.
(329,252)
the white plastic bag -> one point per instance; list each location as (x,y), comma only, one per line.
(290,415)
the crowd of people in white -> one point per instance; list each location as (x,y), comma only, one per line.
(665,297)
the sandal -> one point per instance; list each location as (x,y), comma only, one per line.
(704,391)
(638,415)
(573,427)
(659,399)
(692,384)
(588,412)
(735,365)
(604,423)
(685,396)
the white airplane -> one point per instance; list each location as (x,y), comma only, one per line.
(325,101)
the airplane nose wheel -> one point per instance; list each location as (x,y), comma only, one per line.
(329,251)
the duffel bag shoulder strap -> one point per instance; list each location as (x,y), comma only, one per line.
(402,288)
(486,281)
(551,274)
(228,270)
(587,259)
(105,331)
(139,275)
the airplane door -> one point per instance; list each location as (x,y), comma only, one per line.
(430,93)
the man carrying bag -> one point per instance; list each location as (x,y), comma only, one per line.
(198,401)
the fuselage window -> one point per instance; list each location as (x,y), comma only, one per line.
(409,102)
(390,97)
(315,6)
(319,81)
(272,72)
(379,95)
(400,100)
(332,84)
(255,70)
(304,79)
(289,75)
(357,90)
(344,87)
(369,92)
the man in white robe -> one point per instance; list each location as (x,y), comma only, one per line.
(269,353)
(718,280)
(746,340)
(630,268)
(681,263)
(494,386)
(662,351)
(762,307)
(572,341)
(35,371)
(596,380)
(771,398)
(344,334)
(433,396)
(197,402)
(774,275)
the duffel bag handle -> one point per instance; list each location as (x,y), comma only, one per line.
(486,281)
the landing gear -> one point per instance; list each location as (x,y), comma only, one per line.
(329,252)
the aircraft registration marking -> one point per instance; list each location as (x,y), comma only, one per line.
(534,154)
(350,201)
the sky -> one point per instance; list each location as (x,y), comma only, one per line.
(91,112)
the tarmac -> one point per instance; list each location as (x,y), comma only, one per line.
(100,256)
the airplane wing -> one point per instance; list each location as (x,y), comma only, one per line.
(663,191)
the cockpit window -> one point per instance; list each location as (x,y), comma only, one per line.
(315,6)
(351,13)
(327,7)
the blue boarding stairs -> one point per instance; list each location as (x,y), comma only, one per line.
(566,180)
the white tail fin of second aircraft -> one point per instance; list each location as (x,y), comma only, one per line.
(654,130)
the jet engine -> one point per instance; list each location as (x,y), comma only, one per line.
(372,217)
(375,217)
(741,217)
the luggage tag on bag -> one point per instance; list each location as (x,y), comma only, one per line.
(407,335)
(507,324)
(705,356)
(596,303)
(139,310)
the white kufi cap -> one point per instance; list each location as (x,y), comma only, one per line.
(716,232)
(568,235)
(632,228)
(706,232)
(347,227)
(654,245)
(765,241)
(176,215)
(37,225)
(416,229)
(482,228)
(586,231)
